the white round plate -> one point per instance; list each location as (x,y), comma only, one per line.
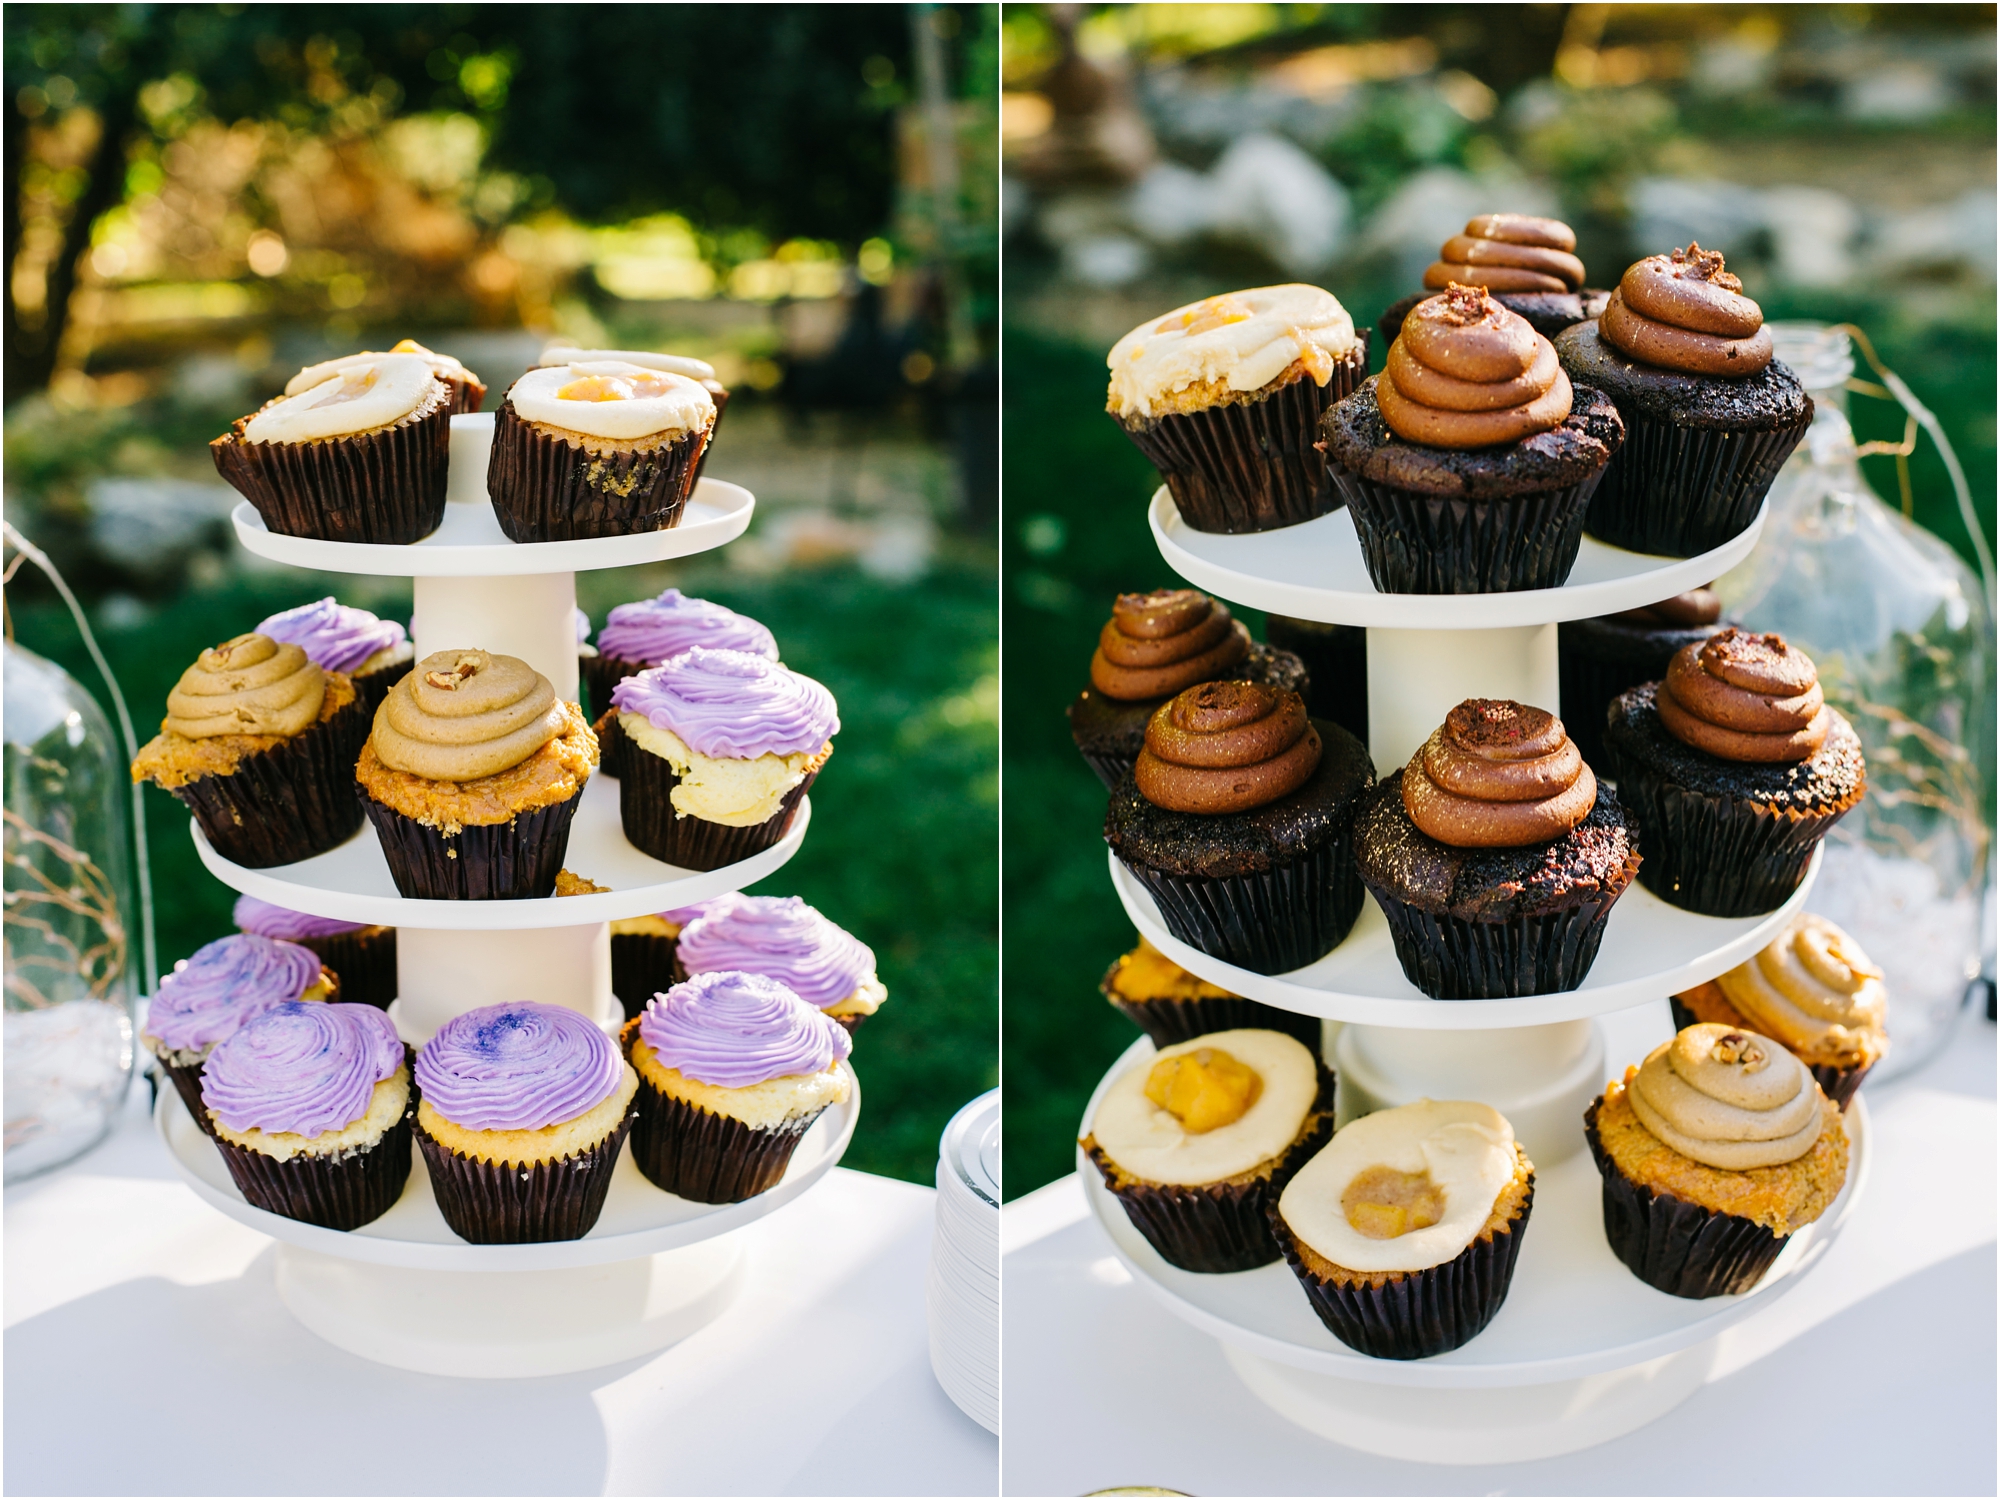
(1650,950)
(638,1219)
(1314,571)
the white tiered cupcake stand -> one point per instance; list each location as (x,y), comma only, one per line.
(1582,1351)
(405,1290)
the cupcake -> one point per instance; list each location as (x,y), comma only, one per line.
(472,775)
(357,457)
(1197,1142)
(1171,1005)
(1496,855)
(1405,1229)
(1602,657)
(1714,1152)
(310,1107)
(784,939)
(717,750)
(468,391)
(1223,396)
(642,954)
(1239,818)
(374,653)
(1154,646)
(1813,992)
(1735,768)
(210,995)
(1528,264)
(733,1070)
(362,954)
(1710,416)
(524,1108)
(647,632)
(1335,658)
(1468,463)
(698,370)
(260,745)
(597,448)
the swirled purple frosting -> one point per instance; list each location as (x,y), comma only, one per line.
(305,1069)
(781,938)
(223,985)
(518,1066)
(680,916)
(732,704)
(268,920)
(734,1030)
(652,630)
(335,636)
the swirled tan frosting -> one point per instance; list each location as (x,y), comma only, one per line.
(1685,312)
(1159,643)
(1498,774)
(1466,372)
(1225,747)
(1728,1099)
(461,715)
(1812,989)
(248,685)
(1702,606)
(1745,697)
(1509,253)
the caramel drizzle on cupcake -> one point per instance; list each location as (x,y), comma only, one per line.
(1745,697)
(1466,372)
(1685,312)
(1497,775)
(1226,747)
(1159,643)
(1509,253)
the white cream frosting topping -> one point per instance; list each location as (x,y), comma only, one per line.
(1728,1099)
(377,391)
(611,398)
(1246,339)
(717,789)
(1149,1142)
(1812,988)
(677,364)
(312,375)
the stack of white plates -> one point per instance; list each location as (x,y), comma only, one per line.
(963,1298)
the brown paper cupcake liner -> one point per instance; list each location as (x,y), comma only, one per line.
(1679,491)
(1588,684)
(1838,1084)
(385,486)
(468,393)
(1450,958)
(287,803)
(601,674)
(611,743)
(1415,543)
(186,1079)
(364,961)
(373,687)
(513,861)
(341,1192)
(1171,1021)
(642,966)
(645,807)
(719,394)
(704,1157)
(491,1203)
(1267,921)
(547,490)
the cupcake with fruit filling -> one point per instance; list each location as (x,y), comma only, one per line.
(647,632)
(784,939)
(1469,461)
(1528,264)
(1223,396)
(472,775)
(1154,646)
(1171,1005)
(642,954)
(698,370)
(1714,1152)
(1603,657)
(1813,992)
(524,1109)
(1404,1231)
(1239,819)
(374,653)
(359,456)
(260,744)
(733,1068)
(1710,416)
(310,1107)
(361,953)
(1496,855)
(1197,1142)
(1736,768)
(468,391)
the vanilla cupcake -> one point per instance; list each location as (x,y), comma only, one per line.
(647,632)
(784,939)
(674,364)
(468,391)
(363,954)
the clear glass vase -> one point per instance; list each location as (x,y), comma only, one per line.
(1903,637)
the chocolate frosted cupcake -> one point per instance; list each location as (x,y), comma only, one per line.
(472,775)
(733,1068)
(310,1107)
(1154,646)
(1714,1152)
(1197,1142)
(718,749)
(468,391)
(260,745)
(1710,416)
(524,1108)
(1405,1230)
(642,954)
(363,955)
(1239,818)
(357,457)
(647,632)
(1735,768)
(697,370)
(374,653)
(1335,658)
(1468,463)
(784,939)
(1813,992)
(1223,396)
(1602,657)
(1171,1005)
(1528,264)
(1495,855)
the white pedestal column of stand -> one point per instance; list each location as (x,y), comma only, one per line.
(531,615)
(436,971)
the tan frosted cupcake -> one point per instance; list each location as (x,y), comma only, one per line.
(468,391)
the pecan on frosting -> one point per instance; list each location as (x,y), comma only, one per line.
(462,715)
(1226,747)
(1702,606)
(1728,1099)
(1684,312)
(1497,775)
(250,684)
(1745,697)
(1159,643)
(1509,253)
(1466,372)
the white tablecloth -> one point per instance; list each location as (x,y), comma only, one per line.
(147,1353)
(1875,1376)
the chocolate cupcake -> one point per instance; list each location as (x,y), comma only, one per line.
(698,370)
(784,939)
(310,1107)
(1335,657)
(1154,646)
(1735,768)
(472,775)
(524,1109)
(362,954)
(1528,264)
(1239,818)
(1197,1142)
(468,391)
(1496,855)
(1223,396)
(357,457)
(1171,1005)
(1405,1230)
(1714,1152)
(374,653)
(733,1069)
(648,632)
(1601,658)
(1813,992)
(642,954)
(260,745)
(1710,416)
(718,749)
(1468,463)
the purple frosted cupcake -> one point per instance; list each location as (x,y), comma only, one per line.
(733,1070)
(647,632)
(310,1107)
(784,939)
(363,956)
(642,953)
(524,1107)
(373,652)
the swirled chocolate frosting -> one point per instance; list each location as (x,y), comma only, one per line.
(462,715)
(1728,1099)
(1497,775)
(1684,312)
(1226,747)
(1509,253)
(1745,697)
(1701,606)
(1466,372)
(1159,643)
(248,685)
